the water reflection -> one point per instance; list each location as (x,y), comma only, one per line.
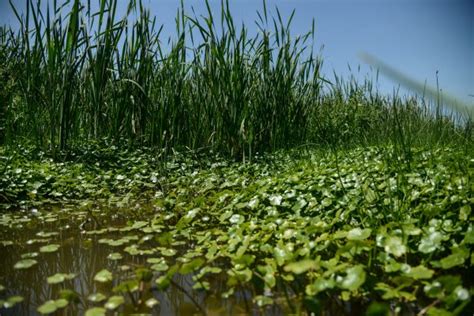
(83,254)
(85,246)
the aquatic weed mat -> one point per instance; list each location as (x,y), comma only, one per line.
(365,231)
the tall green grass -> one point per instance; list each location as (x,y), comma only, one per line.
(71,76)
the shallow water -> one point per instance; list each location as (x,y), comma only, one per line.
(88,236)
(82,251)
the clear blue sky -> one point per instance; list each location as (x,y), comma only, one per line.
(418,37)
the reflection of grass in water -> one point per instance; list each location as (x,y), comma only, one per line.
(430,92)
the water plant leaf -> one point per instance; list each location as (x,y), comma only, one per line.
(449,282)
(29,255)
(262,300)
(95,311)
(452,260)
(393,293)
(431,242)
(96,297)
(239,275)
(60,277)
(103,276)
(12,301)
(154,260)
(300,267)
(464,212)
(61,303)
(115,256)
(236,219)
(186,219)
(469,237)
(419,272)
(433,289)
(202,285)
(114,301)
(162,282)
(49,248)
(435,311)
(25,264)
(191,266)
(52,305)
(299,205)
(151,302)
(6,243)
(319,286)
(113,243)
(168,252)
(275,200)
(46,234)
(461,293)
(394,245)
(355,277)
(160,267)
(281,255)
(358,234)
(37,241)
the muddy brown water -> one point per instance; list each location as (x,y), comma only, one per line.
(23,233)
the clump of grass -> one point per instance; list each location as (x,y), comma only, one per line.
(73,76)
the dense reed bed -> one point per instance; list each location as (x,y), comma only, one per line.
(70,76)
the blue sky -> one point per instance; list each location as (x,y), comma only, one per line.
(418,37)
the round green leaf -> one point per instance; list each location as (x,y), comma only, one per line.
(358,234)
(394,245)
(95,311)
(354,278)
(12,301)
(52,305)
(151,302)
(48,307)
(96,297)
(61,303)
(168,252)
(25,264)
(455,259)
(301,266)
(114,301)
(114,256)
(103,276)
(60,277)
(49,248)
(419,272)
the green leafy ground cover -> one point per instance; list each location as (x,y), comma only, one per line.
(306,231)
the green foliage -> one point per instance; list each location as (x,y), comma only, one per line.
(98,113)
(308,230)
(84,76)
(70,76)
(25,264)
(103,276)
(51,306)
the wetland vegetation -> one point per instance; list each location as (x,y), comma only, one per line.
(218,173)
